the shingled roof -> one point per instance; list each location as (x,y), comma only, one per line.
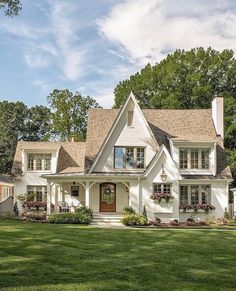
(71,155)
(178,125)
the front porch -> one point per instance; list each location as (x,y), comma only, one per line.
(100,196)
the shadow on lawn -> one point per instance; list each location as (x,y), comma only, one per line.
(35,256)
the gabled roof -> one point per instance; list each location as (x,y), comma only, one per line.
(5,180)
(71,155)
(130,98)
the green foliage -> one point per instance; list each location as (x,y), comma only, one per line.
(25,197)
(128,210)
(70,113)
(11,7)
(17,122)
(134,219)
(188,80)
(70,218)
(15,209)
(85,211)
(226,214)
(144,211)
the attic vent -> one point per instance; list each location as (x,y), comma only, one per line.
(130,119)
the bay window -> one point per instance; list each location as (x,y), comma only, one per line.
(39,162)
(129,158)
(194,159)
(195,194)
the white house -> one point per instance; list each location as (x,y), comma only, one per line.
(130,157)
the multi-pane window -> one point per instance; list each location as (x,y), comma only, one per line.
(205,159)
(205,192)
(39,162)
(7,191)
(140,158)
(195,194)
(194,158)
(162,188)
(183,195)
(129,158)
(40,192)
(183,158)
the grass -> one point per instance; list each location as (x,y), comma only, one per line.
(73,257)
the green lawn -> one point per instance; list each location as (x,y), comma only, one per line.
(72,257)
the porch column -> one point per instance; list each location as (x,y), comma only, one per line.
(87,202)
(49,198)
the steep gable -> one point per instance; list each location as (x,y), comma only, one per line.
(121,134)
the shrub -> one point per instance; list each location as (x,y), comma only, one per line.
(15,209)
(134,219)
(144,211)
(70,218)
(226,214)
(174,222)
(190,219)
(84,210)
(35,217)
(128,210)
(158,220)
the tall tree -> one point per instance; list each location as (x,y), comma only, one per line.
(188,80)
(70,113)
(10,7)
(38,124)
(12,117)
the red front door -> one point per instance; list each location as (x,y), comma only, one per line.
(107,197)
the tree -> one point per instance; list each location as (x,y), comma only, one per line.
(18,122)
(11,7)
(12,117)
(38,125)
(188,80)
(70,113)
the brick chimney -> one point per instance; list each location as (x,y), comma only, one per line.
(218,114)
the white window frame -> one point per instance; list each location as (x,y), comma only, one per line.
(36,159)
(34,187)
(200,186)
(162,187)
(6,191)
(124,150)
(189,151)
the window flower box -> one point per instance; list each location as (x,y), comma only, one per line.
(157,196)
(196,208)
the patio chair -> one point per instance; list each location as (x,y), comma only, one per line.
(63,206)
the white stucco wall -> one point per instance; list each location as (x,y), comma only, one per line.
(32,178)
(137,136)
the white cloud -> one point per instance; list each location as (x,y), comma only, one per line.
(149,29)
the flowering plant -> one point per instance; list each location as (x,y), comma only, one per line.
(204,206)
(158,196)
(185,207)
(196,207)
(36,204)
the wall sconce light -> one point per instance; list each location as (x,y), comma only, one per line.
(163,174)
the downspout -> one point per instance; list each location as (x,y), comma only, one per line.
(140,196)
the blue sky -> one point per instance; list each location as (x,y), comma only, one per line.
(89,46)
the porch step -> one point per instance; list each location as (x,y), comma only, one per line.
(108,218)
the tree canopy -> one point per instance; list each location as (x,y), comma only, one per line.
(70,113)
(188,80)
(11,7)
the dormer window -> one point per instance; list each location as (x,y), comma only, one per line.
(39,162)
(194,159)
(129,158)
(130,119)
